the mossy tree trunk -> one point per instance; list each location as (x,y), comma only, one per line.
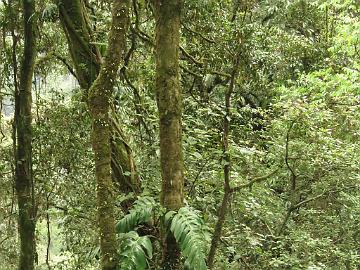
(23,175)
(87,60)
(85,55)
(99,103)
(169,101)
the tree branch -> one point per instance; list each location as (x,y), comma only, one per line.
(291,209)
(68,66)
(188,55)
(199,34)
(293,175)
(253,181)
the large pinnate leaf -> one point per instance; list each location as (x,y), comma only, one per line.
(190,233)
(135,251)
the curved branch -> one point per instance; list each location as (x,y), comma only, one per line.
(199,34)
(254,181)
(192,58)
(67,65)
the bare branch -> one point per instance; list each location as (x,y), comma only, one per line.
(188,55)
(190,72)
(293,175)
(253,181)
(291,209)
(199,34)
(68,66)
(223,74)
(298,205)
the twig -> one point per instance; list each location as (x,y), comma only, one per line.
(253,181)
(188,55)
(227,75)
(198,175)
(190,72)
(199,34)
(142,35)
(68,66)
(293,175)
(291,209)
(48,231)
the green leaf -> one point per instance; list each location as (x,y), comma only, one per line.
(146,243)
(140,213)
(188,230)
(168,216)
(134,251)
(140,259)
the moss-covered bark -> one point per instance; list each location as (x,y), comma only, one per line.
(99,103)
(23,159)
(169,101)
(85,55)
(87,60)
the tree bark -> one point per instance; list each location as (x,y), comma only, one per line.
(99,103)
(227,167)
(85,55)
(87,60)
(23,175)
(169,101)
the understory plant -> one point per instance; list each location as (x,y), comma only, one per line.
(189,230)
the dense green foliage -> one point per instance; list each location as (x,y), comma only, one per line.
(190,232)
(134,251)
(293,142)
(141,212)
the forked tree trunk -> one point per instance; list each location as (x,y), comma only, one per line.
(169,101)
(23,159)
(99,103)
(85,55)
(87,60)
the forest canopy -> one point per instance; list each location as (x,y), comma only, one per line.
(180,134)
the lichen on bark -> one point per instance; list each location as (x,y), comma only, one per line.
(87,60)
(23,160)
(99,100)
(169,101)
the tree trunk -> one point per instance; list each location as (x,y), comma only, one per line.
(99,103)
(87,59)
(169,101)
(23,159)
(85,55)
(219,225)
(227,167)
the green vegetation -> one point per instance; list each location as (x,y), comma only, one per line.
(170,134)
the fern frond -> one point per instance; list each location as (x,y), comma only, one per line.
(140,213)
(135,251)
(190,233)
